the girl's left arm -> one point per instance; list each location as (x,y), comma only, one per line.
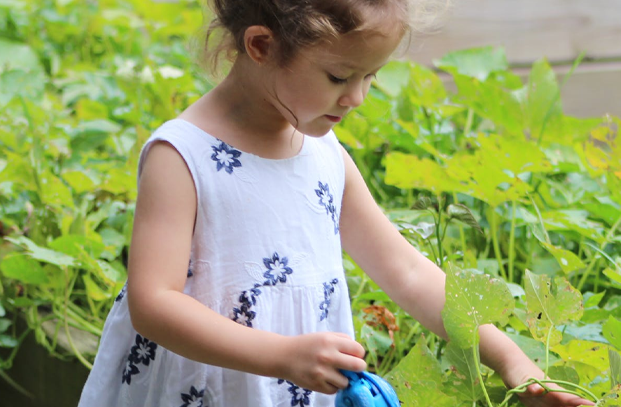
(416,284)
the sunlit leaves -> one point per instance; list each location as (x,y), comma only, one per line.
(475,62)
(418,379)
(23,268)
(473,300)
(550,304)
(464,379)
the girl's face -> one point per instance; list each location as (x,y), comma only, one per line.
(324,82)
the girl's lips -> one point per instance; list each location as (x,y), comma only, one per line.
(334,119)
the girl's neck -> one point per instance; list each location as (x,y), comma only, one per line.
(239,112)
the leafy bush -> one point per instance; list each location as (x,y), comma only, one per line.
(492,181)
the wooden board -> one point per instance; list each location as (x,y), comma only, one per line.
(528,29)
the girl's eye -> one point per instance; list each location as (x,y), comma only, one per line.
(336,80)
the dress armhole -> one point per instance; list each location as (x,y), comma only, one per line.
(184,152)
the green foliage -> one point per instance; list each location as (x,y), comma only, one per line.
(488,181)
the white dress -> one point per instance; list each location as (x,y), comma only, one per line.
(266,252)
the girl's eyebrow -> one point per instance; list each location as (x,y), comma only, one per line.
(355,67)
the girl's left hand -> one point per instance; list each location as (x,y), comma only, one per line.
(536,396)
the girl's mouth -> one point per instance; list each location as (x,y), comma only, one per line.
(334,119)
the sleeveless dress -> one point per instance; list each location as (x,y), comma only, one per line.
(266,253)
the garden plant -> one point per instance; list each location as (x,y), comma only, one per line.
(519,203)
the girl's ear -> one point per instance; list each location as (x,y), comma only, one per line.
(259,43)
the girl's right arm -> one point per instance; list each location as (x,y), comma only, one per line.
(160,252)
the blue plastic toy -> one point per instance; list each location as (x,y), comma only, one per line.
(366,390)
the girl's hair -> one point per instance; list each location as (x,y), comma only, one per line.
(297,24)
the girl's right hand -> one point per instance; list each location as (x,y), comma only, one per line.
(313,361)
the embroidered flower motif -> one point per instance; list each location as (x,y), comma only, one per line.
(325,197)
(226,157)
(129,370)
(327,201)
(299,395)
(243,315)
(328,290)
(190,273)
(193,399)
(143,351)
(277,269)
(121,294)
(249,297)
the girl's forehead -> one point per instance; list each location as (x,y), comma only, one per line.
(358,50)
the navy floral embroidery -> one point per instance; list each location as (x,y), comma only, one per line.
(121,293)
(277,269)
(129,370)
(328,290)
(327,201)
(299,395)
(190,273)
(226,157)
(143,352)
(243,315)
(193,399)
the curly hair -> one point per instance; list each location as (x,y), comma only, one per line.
(297,24)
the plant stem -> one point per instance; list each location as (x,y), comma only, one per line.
(15,385)
(512,243)
(548,350)
(478,368)
(522,388)
(462,235)
(494,231)
(438,228)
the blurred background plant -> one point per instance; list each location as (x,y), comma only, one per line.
(492,177)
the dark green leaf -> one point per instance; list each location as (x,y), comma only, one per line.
(463,214)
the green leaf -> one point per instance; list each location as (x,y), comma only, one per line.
(79,181)
(54,191)
(43,254)
(23,268)
(422,203)
(93,290)
(4,324)
(550,303)
(17,55)
(377,342)
(612,398)
(615,367)
(463,214)
(8,341)
(612,331)
(475,62)
(565,373)
(543,105)
(594,354)
(567,260)
(418,379)
(593,300)
(473,300)
(425,87)
(393,77)
(71,245)
(464,380)
(408,171)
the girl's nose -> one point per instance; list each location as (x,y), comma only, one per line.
(354,95)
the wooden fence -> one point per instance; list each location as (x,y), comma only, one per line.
(531,29)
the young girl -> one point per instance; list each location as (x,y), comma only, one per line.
(250,187)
